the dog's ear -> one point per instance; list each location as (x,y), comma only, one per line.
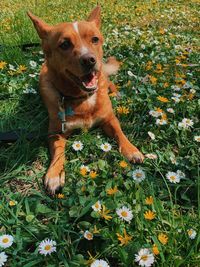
(41,27)
(95,16)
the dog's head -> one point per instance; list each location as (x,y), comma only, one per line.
(74,49)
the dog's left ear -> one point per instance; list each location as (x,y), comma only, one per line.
(95,16)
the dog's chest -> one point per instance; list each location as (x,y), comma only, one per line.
(80,116)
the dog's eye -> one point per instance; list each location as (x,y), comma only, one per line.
(95,40)
(65,44)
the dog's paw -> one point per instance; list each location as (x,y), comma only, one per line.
(132,154)
(53,181)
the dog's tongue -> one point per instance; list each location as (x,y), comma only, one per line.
(90,81)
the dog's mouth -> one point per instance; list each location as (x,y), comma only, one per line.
(87,82)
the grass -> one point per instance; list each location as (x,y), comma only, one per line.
(158,43)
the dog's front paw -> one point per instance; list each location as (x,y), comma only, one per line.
(54,180)
(132,153)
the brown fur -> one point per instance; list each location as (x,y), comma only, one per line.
(57,77)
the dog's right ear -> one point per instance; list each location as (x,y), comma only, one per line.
(41,27)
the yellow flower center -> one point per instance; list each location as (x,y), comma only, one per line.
(96,205)
(47,247)
(89,235)
(173,177)
(5,240)
(78,145)
(138,175)
(144,257)
(105,147)
(190,232)
(124,213)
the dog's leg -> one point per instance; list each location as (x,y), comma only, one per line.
(55,176)
(112,128)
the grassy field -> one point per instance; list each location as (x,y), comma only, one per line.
(158,44)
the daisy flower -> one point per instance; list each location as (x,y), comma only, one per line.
(3,258)
(77,145)
(191,233)
(185,123)
(125,214)
(170,110)
(47,246)
(32,63)
(99,263)
(6,241)
(180,174)
(197,138)
(88,235)
(97,206)
(173,177)
(138,175)
(151,135)
(106,147)
(144,257)
(154,113)
(161,122)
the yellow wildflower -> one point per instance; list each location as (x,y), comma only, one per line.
(149,65)
(104,213)
(155,250)
(123,110)
(93,174)
(123,164)
(163,99)
(124,240)
(149,215)
(83,171)
(112,191)
(2,64)
(21,68)
(95,230)
(60,196)
(149,200)
(153,79)
(166,85)
(162,31)
(163,238)
(159,110)
(12,203)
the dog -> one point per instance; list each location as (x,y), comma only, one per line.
(74,77)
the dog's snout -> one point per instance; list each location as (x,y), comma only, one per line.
(88,60)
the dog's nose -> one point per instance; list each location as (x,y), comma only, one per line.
(88,60)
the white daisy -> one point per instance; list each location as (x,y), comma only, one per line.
(176,99)
(32,75)
(175,88)
(180,174)
(192,91)
(106,147)
(161,122)
(192,233)
(99,263)
(32,63)
(144,257)
(173,177)
(151,156)
(88,235)
(3,258)
(97,206)
(155,114)
(47,246)
(77,145)
(151,135)
(185,123)
(6,241)
(197,138)
(170,110)
(138,175)
(125,214)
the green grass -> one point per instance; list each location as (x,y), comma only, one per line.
(159,32)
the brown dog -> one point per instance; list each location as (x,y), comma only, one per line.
(73,76)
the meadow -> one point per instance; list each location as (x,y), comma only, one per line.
(110,212)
